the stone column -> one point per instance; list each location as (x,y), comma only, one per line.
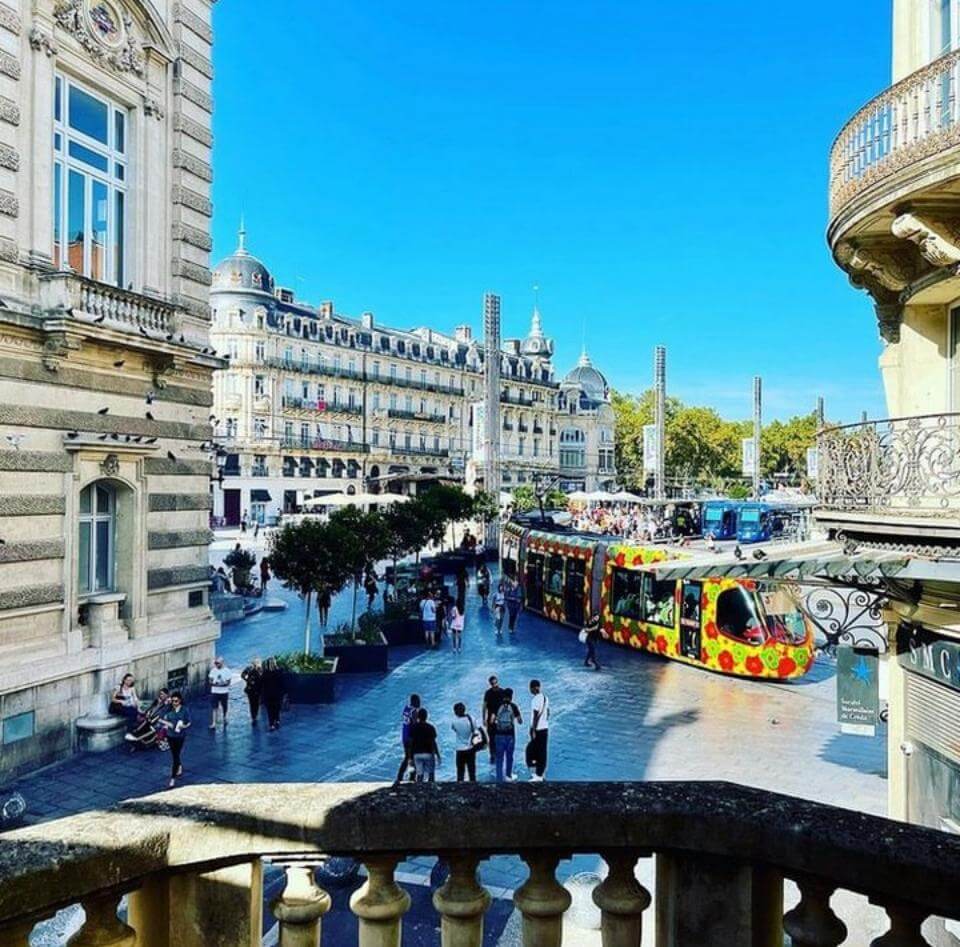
(17,935)
(622,901)
(103,928)
(300,908)
(380,903)
(222,908)
(906,922)
(812,922)
(148,911)
(462,902)
(542,900)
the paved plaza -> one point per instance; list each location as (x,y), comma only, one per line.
(639,718)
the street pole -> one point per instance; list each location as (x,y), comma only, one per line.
(757,422)
(820,412)
(660,417)
(491,394)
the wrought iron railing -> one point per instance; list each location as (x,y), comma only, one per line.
(900,464)
(914,119)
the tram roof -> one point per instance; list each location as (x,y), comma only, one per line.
(786,561)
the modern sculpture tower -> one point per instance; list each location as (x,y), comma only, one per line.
(491,395)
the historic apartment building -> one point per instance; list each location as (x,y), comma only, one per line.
(105,371)
(895,484)
(314,402)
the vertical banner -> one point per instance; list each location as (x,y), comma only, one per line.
(858,691)
(813,463)
(650,452)
(749,454)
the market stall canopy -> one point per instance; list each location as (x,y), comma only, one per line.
(625,496)
(599,496)
(578,496)
(355,499)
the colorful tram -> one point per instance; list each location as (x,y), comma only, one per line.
(738,626)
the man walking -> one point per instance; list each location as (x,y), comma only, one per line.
(423,746)
(591,635)
(218,680)
(407,720)
(428,617)
(492,698)
(508,713)
(539,724)
(514,596)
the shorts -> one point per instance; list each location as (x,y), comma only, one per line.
(429,627)
(219,700)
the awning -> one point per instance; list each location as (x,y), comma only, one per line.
(785,561)
(259,496)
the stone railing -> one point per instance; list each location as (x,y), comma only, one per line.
(912,120)
(191,863)
(899,464)
(325,444)
(88,299)
(420,451)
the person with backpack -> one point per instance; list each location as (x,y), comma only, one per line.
(492,698)
(505,720)
(470,739)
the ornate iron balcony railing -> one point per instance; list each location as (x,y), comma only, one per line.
(914,119)
(898,464)
(191,863)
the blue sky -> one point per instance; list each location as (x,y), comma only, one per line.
(658,169)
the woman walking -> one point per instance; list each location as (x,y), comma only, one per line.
(483,583)
(456,627)
(272,691)
(323,605)
(252,676)
(590,635)
(177,721)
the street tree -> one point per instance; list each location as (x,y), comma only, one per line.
(360,540)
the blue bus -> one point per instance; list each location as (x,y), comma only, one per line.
(719,518)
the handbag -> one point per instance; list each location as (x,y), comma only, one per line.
(582,637)
(478,736)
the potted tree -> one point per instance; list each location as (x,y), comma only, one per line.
(444,505)
(406,527)
(360,541)
(240,562)
(304,557)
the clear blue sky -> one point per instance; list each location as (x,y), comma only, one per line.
(659,169)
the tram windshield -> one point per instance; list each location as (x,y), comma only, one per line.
(748,515)
(784,618)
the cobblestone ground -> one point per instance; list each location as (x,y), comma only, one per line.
(639,718)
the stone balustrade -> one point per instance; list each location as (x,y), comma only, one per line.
(190,862)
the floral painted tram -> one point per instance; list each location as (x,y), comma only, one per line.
(742,626)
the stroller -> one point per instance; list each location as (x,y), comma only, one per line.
(149,732)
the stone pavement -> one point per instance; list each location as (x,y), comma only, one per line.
(641,717)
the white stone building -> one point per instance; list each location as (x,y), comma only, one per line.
(105,370)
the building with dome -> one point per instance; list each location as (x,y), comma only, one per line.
(317,402)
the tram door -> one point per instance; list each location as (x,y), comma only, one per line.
(690,593)
(534,583)
(573,604)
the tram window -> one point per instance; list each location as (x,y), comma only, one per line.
(737,616)
(626,594)
(555,575)
(508,566)
(659,605)
(690,610)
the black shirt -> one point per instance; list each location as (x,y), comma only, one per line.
(492,699)
(423,738)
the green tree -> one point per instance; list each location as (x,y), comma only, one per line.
(631,413)
(783,445)
(444,505)
(524,498)
(404,525)
(304,557)
(361,540)
(701,444)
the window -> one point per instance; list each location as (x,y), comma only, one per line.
(659,601)
(97,560)
(376,401)
(19,727)
(626,595)
(288,430)
(737,616)
(555,575)
(260,427)
(89,184)
(376,369)
(258,385)
(231,427)
(259,351)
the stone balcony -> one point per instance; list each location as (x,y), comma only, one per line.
(191,863)
(893,482)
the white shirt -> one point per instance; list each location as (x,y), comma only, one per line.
(428,610)
(220,680)
(542,705)
(456,622)
(498,599)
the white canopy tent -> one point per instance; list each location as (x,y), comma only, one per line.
(355,499)
(599,496)
(625,496)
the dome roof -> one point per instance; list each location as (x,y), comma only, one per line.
(585,377)
(536,343)
(241,271)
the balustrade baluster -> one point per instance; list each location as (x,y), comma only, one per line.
(380,903)
(300,908)
(542,900)
(905,923)
(102,927)
(622,901)
(462,902)
(17,935)
(812,922)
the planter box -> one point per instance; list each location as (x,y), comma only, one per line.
(311,688)
(403,631)
(358,658)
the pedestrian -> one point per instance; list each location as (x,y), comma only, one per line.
(505,720)
(442,601)
(256,530)
(539,729)
(423,746)
(264,574)
(272,690)
(462,589)
(323,605)
(243,523)
(176,720)
(218,681)
(456,627)
(125,702)
(407,720)
(514,597)
(370,587)
(428,617)
(483,583)
(499,607)
(252,676)
(589,636)
(492,698)
(469,742)
(389,592)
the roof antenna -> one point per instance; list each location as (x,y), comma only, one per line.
(242,237)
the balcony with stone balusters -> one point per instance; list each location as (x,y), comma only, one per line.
(190,863)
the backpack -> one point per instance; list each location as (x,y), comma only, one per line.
(504,719)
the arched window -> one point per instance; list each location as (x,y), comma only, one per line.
(97,546)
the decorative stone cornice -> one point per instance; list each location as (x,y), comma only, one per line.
(9,65)
(9,111)
(26,596)
(196,61)
(40,40)
(32,551)
(196,307)
(32,505)
(9,251)
(165,467)
(937,238)
(192,22)
(33,461)
(9,205)
(192,271)
(178,575)
(153,108)
(887,305)
(192,235)
(10,20)
(189,198)
(194,130)
(9,158)
(180,539)
(888,267)
(193,93)
(198,168)
(178,502)
(126,56)
(63,419)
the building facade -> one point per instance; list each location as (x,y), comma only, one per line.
(315,402)
(105,367)
(894,484)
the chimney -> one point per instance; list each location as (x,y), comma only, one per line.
(326,310)
(463,333)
